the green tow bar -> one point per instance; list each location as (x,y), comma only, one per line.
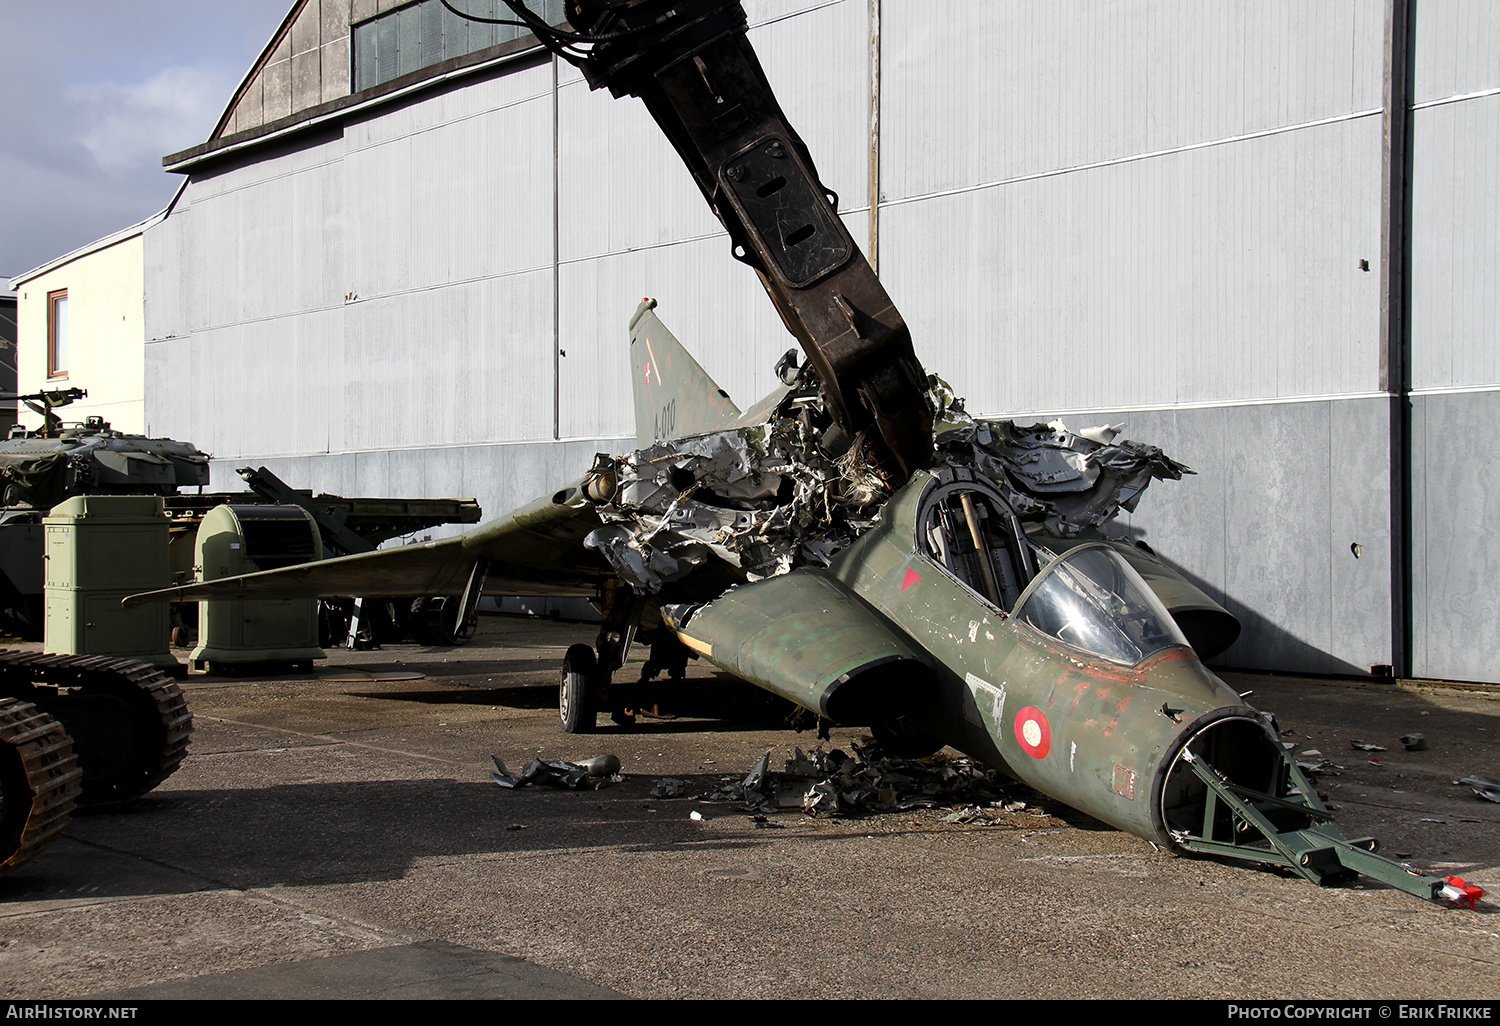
(1307,841)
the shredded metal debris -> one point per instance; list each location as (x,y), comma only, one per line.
(834,783)
(781,494)
(1484,787)
(590,774)
(1315,764)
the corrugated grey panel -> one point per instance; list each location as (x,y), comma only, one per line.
(1456,496)
(984,92)
(253,173)
(758,12)
(488,95)
(453,202)
(431,15)
(621,185)
(387,47)
(1266,523)
(380,183)
(1228,272)
(462,364)
(500,477)
(715,305)
(164,383)
(263,244)
(818,64)
(1456,48)
(318,229)
(1455,268)
(166,248)
(259,387)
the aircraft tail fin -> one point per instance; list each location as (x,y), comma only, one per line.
(674,396)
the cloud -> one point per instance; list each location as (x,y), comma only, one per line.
(96,93)
(127,126)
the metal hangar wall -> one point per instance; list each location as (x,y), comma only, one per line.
(1264,236)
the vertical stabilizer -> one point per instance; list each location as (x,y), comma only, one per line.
(674,396)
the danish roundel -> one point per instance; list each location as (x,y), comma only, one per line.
(1033,732)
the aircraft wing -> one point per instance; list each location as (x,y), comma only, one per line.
(535,550)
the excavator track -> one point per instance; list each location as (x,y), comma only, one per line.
(129,722)
(40,781)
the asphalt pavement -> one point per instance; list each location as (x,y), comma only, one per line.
(336,835)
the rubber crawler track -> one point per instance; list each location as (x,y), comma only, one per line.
(40,781)
(76,689)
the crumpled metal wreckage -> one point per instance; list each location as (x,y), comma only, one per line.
(588,775)
(837,784)
(772,497)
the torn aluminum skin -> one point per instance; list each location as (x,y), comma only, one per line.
(781,494)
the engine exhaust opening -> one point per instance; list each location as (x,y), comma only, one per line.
(1240,749)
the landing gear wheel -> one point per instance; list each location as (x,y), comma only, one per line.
(39,781)
(578,696)
(129,722)
(437,622)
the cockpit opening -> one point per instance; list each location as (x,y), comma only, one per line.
(974,534)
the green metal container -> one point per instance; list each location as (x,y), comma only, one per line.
(234,540)
(98,549)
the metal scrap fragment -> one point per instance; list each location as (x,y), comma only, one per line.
(1314,764)
(1365,746)
(1484,787)
(556,773)
(1414,742)
(667,787)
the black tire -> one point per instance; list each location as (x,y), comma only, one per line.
(436,622)
(578,694)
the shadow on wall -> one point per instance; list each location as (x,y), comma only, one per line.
(1262,644)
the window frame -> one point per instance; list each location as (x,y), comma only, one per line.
(57,356)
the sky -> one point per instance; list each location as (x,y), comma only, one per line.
(93,93)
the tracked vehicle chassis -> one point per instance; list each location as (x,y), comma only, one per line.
(79,729)
(39,781)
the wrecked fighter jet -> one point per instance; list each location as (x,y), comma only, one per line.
(857,543)
(976,605)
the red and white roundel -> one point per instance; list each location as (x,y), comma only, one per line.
(1033,732)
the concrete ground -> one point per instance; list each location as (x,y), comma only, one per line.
(338,836)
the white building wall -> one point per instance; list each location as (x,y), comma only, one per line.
(105,286)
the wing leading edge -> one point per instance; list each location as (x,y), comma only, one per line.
(535,550)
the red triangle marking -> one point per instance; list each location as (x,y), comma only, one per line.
(912,577)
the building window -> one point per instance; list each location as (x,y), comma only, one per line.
(425,33)
(57,334)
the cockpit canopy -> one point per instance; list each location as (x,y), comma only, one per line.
(1091,599)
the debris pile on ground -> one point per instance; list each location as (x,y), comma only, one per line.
(790,491)
(834,783)
(1484,787)
(1315,764)
(588,775)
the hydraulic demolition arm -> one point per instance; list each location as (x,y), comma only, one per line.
(699,77)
